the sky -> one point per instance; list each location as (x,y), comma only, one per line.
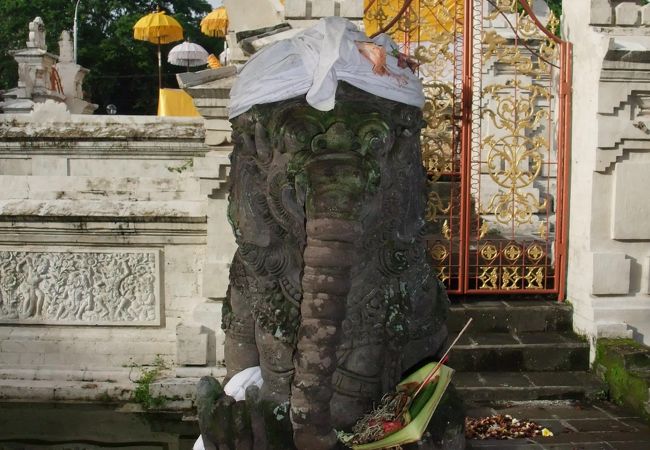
(214,3)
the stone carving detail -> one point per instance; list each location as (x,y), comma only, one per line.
(332,291)
(80,288)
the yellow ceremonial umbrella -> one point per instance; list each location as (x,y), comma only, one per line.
(158,28)
(215,24)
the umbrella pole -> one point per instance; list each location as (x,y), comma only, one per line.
(159,67)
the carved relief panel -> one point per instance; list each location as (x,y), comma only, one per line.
(80,286)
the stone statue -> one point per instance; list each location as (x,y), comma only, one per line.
(37,34)
(331,290)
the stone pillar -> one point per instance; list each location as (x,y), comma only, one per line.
(609,241)
(210,90)
(37,79)
(43,76)
(72,76)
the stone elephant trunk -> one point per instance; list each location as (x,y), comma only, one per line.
(336,189)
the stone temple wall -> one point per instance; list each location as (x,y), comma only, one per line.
(106,256)
(609,242)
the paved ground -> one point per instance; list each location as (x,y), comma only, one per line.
(575,425)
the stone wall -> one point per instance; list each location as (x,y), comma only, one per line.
(609,242)
(106,256)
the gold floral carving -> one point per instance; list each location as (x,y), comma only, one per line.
(443,275)
(446,231)
(439,252)
(512,252)
(510,277)
(541,230)
(440,137)
(515,159)
(489,278)
(535,252)
(535,278)
(435,205)
(489,252)
(483,230)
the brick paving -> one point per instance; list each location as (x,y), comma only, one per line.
(575,426)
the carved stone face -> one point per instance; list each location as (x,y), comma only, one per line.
(331,164)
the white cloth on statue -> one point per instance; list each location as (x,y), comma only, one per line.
(312,63)
(236,387)
(200,445)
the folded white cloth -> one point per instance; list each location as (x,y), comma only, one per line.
(200,445)
(312,63)
(236,387)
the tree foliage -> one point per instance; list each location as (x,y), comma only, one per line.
(556,7)
(123,71)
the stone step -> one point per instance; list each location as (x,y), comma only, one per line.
(55,391)
(67,373)
(482,387)
(532,351)
(518,316)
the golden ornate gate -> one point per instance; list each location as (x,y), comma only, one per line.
(496,145)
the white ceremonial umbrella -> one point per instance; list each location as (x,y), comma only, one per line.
(188,54)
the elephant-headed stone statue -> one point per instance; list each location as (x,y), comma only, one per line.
(332,292)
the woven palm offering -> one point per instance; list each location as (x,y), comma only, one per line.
(402,416)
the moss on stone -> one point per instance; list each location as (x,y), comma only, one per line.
(620,363)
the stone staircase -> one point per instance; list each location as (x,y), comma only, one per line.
(519,350)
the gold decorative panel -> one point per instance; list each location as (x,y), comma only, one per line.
(491,146)
(513,153)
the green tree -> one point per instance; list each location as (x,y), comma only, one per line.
(123,70)
(556,7)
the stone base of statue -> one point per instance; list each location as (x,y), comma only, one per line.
(255,424)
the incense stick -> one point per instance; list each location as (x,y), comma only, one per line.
(440,363)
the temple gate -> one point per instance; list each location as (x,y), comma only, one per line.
(496,143)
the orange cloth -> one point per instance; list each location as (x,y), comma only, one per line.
(176,102)
(213,62)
